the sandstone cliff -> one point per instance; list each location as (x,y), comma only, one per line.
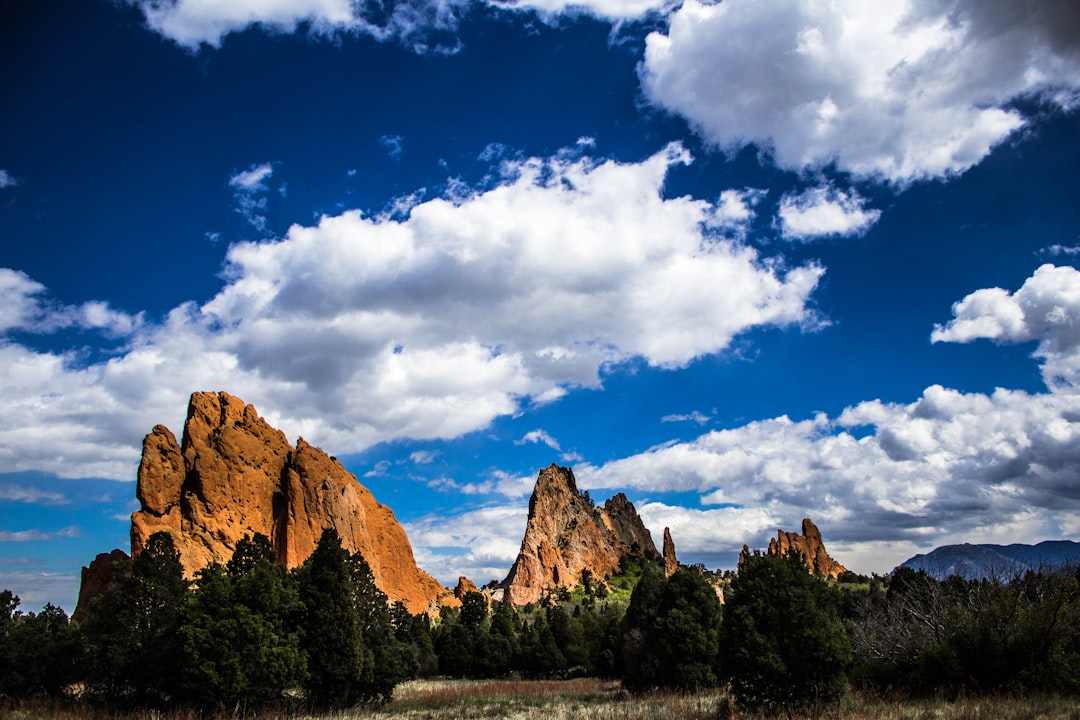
(809,545)
(566,535)
(234,475)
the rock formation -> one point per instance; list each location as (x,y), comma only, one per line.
(235,475)
(566,535)
(464,586)
(104,571)
(808,545)
(671,563)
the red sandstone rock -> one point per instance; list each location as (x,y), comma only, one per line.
(566,535)
(235,475)
(671,563)
(809,545)
(106,570)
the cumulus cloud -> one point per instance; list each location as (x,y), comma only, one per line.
(480,544)
(25,307)
(887,480)
(823,212)
(1045,308)
(364,329)
(901,91)
(941,469)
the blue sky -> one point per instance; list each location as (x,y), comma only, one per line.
(745,261)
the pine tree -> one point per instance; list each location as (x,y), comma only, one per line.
(784,646)
(331,632)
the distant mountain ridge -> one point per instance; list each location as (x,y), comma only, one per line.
(976,562)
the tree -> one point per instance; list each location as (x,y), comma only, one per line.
(132,628)
(331,631)
(42,652)
(784,646)
(240,645)
(671,632)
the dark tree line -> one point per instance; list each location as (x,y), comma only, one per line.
(247,634)
(250,634)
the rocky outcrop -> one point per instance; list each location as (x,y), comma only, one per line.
(104,571)
(671,563)
(809,546)
(464,587)
(566,535)
(234,475)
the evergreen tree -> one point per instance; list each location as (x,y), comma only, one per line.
(240,642)
(42,652)
(331,632)
(132,629)
(392,662)
(671,632)
(538,655)
(784,646)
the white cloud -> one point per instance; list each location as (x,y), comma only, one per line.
(735,211)
(360,330)
(541,437)
(7,179)
(250,188)
(942,469)
(1046,308)
(824,211)
(25,307)
(193,23)
(38,535)
(608,9)
(30,495)
(900,91)
(887,480)
(479,544)
(253,179)
(696,416)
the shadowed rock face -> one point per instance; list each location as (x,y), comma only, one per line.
(566,535)
(809,545)
(106,570)
(235,475)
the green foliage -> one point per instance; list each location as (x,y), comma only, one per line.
(240,645)
(132,629)
(671,633)
(331,632)
(39,653)
(784,646)
(354,654)
(972,636)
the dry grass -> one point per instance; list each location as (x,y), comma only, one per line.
(591,700)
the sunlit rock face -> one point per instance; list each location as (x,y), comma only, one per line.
(234,475)
(671,562)
(566,535)
(808,545)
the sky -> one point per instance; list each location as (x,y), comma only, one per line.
(745,261)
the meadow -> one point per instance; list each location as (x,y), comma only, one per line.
(590,699)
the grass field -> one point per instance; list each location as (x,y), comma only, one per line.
(594,700)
